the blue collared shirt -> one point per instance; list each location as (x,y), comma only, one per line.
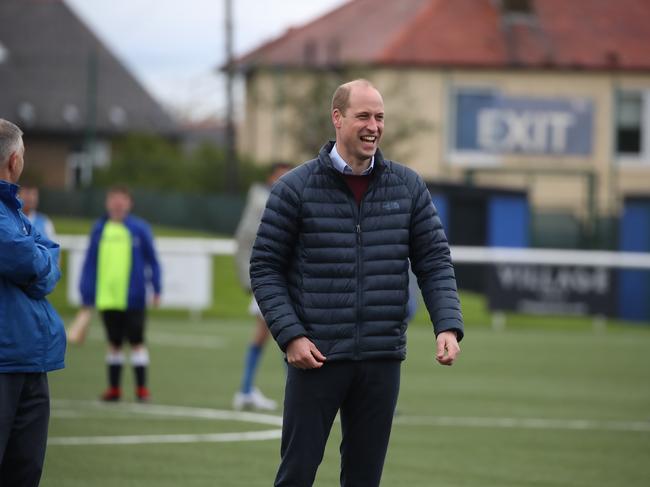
(343,167)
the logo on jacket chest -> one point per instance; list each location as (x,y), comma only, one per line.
(390,205)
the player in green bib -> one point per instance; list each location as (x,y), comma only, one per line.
(120,262)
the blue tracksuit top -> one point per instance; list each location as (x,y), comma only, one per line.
(32,337)
(144,263)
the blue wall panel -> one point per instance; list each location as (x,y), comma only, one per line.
(508,221)
(634,286)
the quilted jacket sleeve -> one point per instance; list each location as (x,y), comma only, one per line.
(270,261)
(431,262)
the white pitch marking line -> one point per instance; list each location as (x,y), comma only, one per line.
(175,411)
(67,408)
(159,439)
(525,423)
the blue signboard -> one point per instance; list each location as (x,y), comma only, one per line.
(490,123)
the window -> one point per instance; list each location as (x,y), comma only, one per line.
(516,6)
(633,125)
(629,123)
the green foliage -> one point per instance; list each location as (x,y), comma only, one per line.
(311,127)
(152,162)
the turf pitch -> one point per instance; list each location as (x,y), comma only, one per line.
(526,406)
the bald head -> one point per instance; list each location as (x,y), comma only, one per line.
(341,98)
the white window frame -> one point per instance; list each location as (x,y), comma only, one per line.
(643,159)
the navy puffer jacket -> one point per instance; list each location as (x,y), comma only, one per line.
(336,272)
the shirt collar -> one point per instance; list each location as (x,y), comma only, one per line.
(343,167)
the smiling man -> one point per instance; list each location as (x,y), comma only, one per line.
(329,271)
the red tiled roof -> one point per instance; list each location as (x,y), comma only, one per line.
(356,32)
(585,34)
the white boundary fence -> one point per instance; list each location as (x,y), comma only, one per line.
(186,268)
(187,264)
(558,257)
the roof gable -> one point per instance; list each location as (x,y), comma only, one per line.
(56,74)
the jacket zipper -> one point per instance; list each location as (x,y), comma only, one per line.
(358,210)
(357,335)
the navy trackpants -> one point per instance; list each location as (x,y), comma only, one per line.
(24,416)
(366,393)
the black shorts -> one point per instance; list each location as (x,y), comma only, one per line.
(122,325)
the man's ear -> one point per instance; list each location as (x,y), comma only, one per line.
(336,118)
(11,163)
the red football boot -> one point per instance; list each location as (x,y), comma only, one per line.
(112,394)
(142,394)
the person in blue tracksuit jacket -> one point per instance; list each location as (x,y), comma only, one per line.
(32,337)
(120,261)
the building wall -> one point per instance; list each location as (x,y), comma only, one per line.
(421,109)
(46,160)
(58,161)
(266,132)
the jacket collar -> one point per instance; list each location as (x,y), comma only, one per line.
(9,194)
(324,157)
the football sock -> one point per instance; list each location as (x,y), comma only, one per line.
(140,361)
(114,362)
(250,367)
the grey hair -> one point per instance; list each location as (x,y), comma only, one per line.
(10,139)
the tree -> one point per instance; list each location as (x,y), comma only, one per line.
(152,162)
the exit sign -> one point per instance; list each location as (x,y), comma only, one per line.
(489,123)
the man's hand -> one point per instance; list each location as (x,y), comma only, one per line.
(303,354)
(448,348)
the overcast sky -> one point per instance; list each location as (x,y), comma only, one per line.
(173,46)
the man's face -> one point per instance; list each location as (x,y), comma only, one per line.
(118,205)
(359,129)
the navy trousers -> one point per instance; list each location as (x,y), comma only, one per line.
(24,416)
(365,393)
